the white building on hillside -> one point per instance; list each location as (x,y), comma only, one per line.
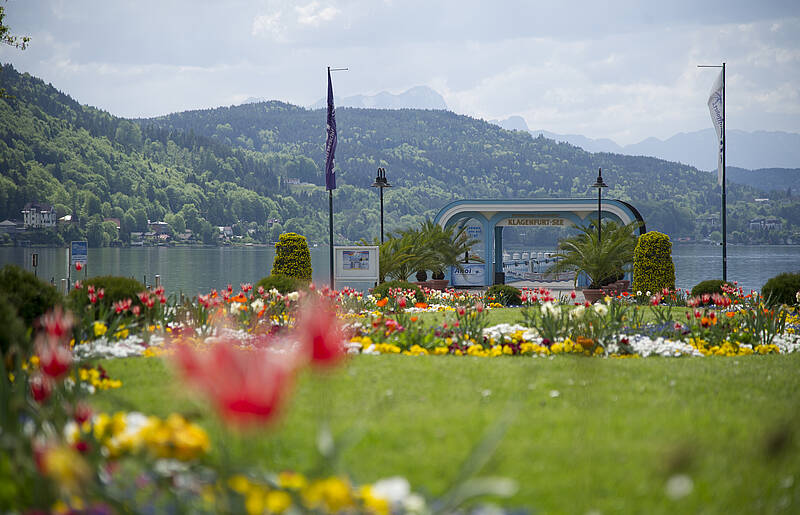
(38,214)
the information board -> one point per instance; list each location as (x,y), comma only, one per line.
(78,252)
(356,263)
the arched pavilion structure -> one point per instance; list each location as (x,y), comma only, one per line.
(493,215)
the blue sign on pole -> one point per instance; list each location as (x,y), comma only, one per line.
(78,252)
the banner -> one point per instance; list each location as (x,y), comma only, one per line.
(715,107)
(330,142)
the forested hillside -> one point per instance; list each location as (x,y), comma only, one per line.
(230,166)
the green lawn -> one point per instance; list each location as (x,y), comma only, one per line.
(514,315)
(609,440)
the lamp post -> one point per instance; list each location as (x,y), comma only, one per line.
(599,184)
(381,182)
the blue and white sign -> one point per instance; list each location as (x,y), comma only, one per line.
(78,252)
(471,275)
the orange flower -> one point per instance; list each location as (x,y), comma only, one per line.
(414,319)
(730,314)
(240,298)
(382,302)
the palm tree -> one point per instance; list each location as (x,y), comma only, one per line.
(428,247)
(603,261)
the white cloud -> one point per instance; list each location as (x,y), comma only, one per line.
(314,14)
(269,24)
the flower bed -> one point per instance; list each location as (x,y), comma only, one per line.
(242,352)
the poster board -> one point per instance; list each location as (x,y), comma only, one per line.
(356,263)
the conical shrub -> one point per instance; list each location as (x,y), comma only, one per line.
(292,257)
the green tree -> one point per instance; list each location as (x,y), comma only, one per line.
(604,258)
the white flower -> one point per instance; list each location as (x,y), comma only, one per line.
(235,307)
(601,309)
(257,305)
(551,309)
(293,296)
(394,489)
(275,293)
(577,312)
(648,293)
(639,293)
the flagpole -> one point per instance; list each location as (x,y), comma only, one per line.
(724,195)
(330,179)
(724,201)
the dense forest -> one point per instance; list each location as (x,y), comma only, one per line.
(239,166)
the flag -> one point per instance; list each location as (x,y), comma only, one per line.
(330,142)
(715,107)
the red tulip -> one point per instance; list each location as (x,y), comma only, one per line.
(40,388)
(246,387)
(54,357)
(320,333)
(78,266)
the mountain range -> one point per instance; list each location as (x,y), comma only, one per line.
(418,97)
(751,150)
(258,168)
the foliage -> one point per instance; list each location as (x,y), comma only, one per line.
(709,286)
(283,283)
(31,296)
(504,294)
(603,259)
(13,337)
(229,166)
(385,290)
(653,269)
(292,257)
(782,289)
(115,289)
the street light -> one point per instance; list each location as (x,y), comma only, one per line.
(599,184)
(381,182)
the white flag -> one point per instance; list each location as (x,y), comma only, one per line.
(717,117)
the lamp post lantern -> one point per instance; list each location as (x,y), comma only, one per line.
(599,184)
(381,182)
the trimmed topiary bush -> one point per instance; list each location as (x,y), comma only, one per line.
(115,289)
(282,283)
(504,294)
(710,286)
(292,257)
(382,290)
(653,269)
(782,289)
(31,296)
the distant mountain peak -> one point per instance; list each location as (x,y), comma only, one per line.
(418,97)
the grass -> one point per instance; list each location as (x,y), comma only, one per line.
(514,315)
(608,440)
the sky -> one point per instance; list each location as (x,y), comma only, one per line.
(624,70)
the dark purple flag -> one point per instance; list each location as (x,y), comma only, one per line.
(330,142)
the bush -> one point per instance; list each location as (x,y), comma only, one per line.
(504,294)
(292,257)
(382,290)
(32,297)
(653,269)
(711,287)
(13,338)
(782,289)
(282,283)
(116,289)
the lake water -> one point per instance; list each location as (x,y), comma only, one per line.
(193,270)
